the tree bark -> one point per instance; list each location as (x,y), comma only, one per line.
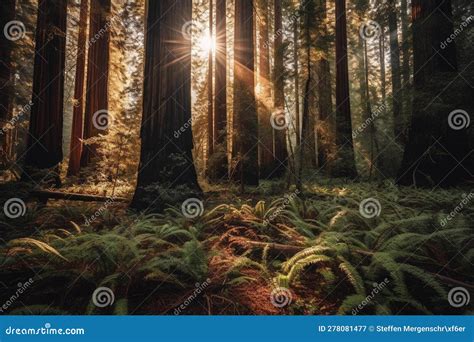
(345,162)
(44,147)
(220,170)
(210,90)
(245,111)
(96,117)
(437,152)
(266,156)
(396,75)
(280,147)
(7,14)
(78,109)
(166,172)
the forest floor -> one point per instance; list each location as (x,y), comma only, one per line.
(336,248)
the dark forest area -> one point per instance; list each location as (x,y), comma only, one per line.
(236,157)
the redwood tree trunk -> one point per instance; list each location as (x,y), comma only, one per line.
(266,156)
(245,111)
(396,76)
(77,126)
(44,149)
(96,117)
(7,13)
(220,97)
(166,172)
(437,152)
(210,89)
(345,162)
(280,149)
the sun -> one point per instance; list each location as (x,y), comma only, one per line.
(207,43)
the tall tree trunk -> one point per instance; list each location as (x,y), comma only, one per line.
(166,171)
(395,69)
(7,14)
(297,81)
(96,118)
(245,111)
(280,148)
(78,109)
(210,89)
(325,121)
(383,78)
(345,163)
(44,149)
(437,152)
(220,97)
(406,87)
(266,157)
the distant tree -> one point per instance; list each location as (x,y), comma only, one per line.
(78,103)
(96,117)
(397,102)
(245,111)
(280,149)
(44,147)
(437,152)
(7,14)
(166,171)
(210,89)
(345,162)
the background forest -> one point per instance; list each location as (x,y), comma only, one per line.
(236,157)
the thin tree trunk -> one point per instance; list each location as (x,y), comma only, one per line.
(406,87)
(77,116)
(245,108)
(280,148)
(395,69)
(220,98)
(210,89)
(7,14)
(44,148)
(96,118)
(266,156)
(383,82)
(166,171)
(297,82)
(345,155)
